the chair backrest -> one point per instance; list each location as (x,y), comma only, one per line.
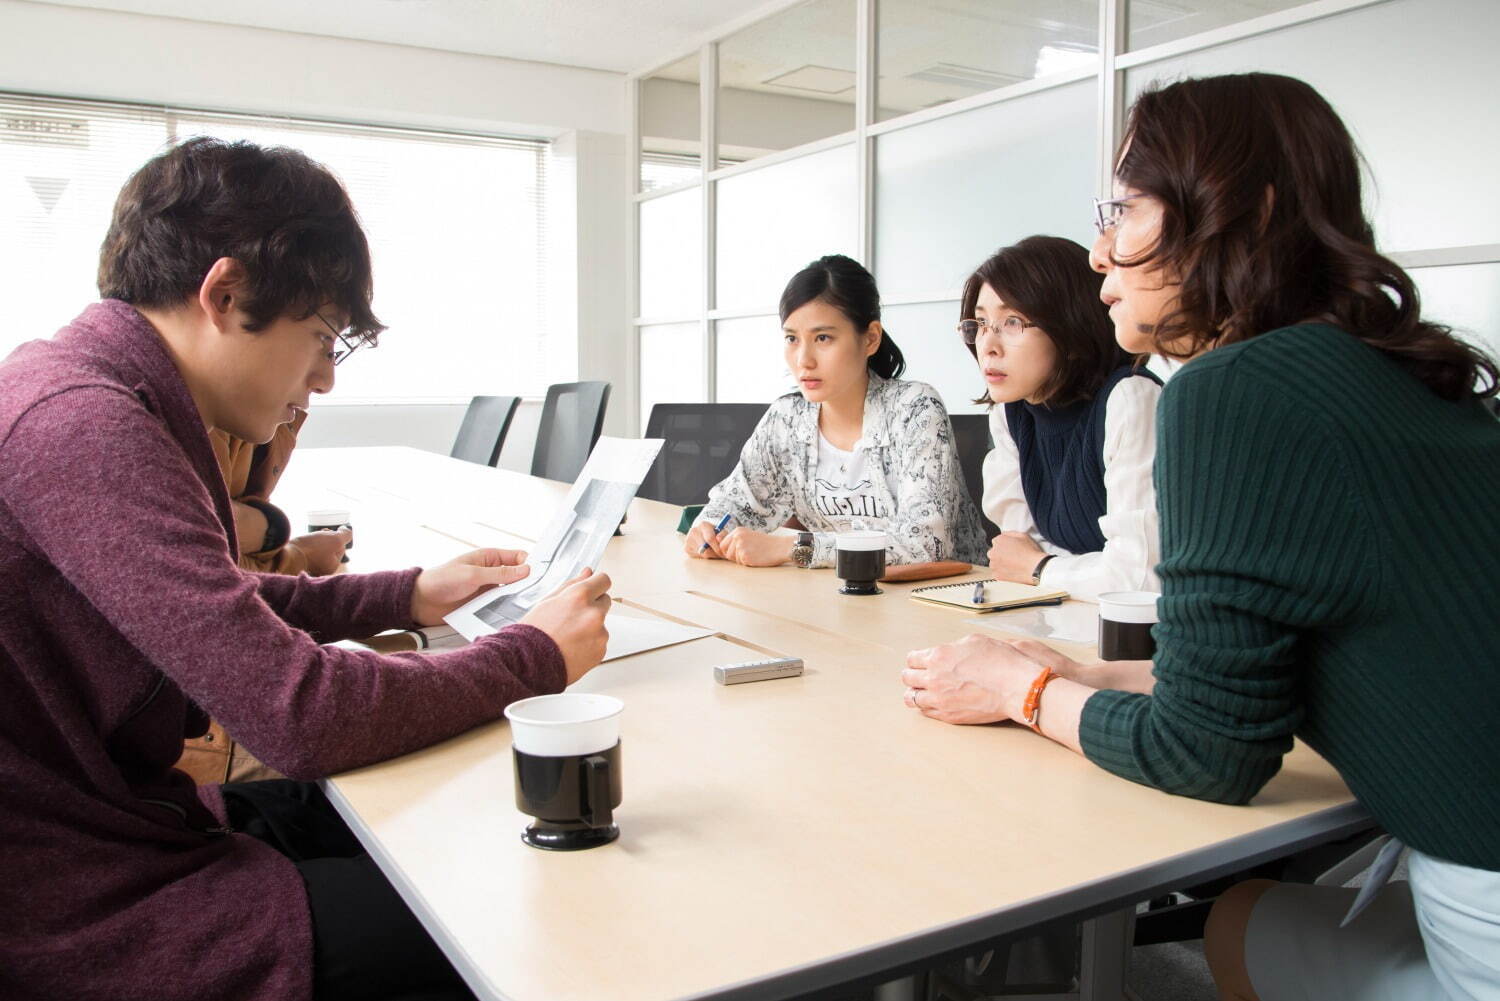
(483,430)
(703,445)
(971,435)
(572,418)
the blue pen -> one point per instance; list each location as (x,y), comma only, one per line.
(979,592)
(717,529)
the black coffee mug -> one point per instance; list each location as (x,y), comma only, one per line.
(1125,622)
(859,560)
(572,797)
(565,751)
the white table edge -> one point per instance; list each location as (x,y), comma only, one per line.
(887,960)
(462,962)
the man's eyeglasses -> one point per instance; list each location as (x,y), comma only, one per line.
(1011,326)
(345,343)
(1107,212)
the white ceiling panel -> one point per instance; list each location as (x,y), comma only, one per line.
(616,35)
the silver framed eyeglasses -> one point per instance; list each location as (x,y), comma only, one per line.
(1011,326)
(345,343)
(1107,212)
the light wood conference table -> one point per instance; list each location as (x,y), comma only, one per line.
(777,838)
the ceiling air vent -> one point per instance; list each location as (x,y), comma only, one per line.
(967,77)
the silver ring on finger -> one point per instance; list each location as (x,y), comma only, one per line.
(914,703)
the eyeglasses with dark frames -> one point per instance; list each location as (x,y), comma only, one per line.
(1011,326)
(346,343)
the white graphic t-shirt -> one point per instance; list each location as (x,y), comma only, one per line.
(842,488)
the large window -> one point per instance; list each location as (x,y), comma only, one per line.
(457,228)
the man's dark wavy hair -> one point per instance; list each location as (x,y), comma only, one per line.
(286,219)
(1263,226)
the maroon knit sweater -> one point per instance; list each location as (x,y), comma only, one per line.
(123,621)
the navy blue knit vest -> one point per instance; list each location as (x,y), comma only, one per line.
(1062,464)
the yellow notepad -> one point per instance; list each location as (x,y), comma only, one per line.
(998,594)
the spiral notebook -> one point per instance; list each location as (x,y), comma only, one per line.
(998,595)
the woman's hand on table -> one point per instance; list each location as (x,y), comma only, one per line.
(573,616)
(441,589)
(757,549)
(977,679)
(1013,557)
(324,550)
(702,533)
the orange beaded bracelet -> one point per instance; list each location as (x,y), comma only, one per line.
(1032,707)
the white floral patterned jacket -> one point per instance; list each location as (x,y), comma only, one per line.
(906,437)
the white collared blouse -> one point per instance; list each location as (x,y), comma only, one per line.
(910,454)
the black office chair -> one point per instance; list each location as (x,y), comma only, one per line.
(971,435)
(572,418)
(483,431)
(703,445)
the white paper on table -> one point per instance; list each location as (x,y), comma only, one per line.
(575,538)
(631,634)
(1071,622)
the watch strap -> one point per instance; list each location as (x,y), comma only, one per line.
(1036,571)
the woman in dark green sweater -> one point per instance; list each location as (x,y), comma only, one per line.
(1327,479)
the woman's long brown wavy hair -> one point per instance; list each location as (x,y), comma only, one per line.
(1263,226)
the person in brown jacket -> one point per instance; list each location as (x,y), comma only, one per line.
(251,472)
(266,543)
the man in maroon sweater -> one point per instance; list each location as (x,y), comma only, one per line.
(234,278)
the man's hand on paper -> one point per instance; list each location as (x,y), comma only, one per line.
(573,616)
(441,589)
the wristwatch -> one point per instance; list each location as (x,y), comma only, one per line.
(802,552)
(1036,572)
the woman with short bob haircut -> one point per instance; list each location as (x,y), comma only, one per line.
(1073,420)
(855,445)
(1327,474)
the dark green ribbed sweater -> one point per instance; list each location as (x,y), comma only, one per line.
(1330,531)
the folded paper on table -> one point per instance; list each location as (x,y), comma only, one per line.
(632,634)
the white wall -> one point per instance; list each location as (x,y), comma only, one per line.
(432,427)
(105,55)
(593,177)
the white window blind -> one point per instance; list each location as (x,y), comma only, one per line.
(457,228)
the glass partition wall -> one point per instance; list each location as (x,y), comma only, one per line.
(918,136)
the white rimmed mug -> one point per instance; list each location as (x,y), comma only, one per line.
(565,750)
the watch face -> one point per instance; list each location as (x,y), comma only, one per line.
(802,555)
